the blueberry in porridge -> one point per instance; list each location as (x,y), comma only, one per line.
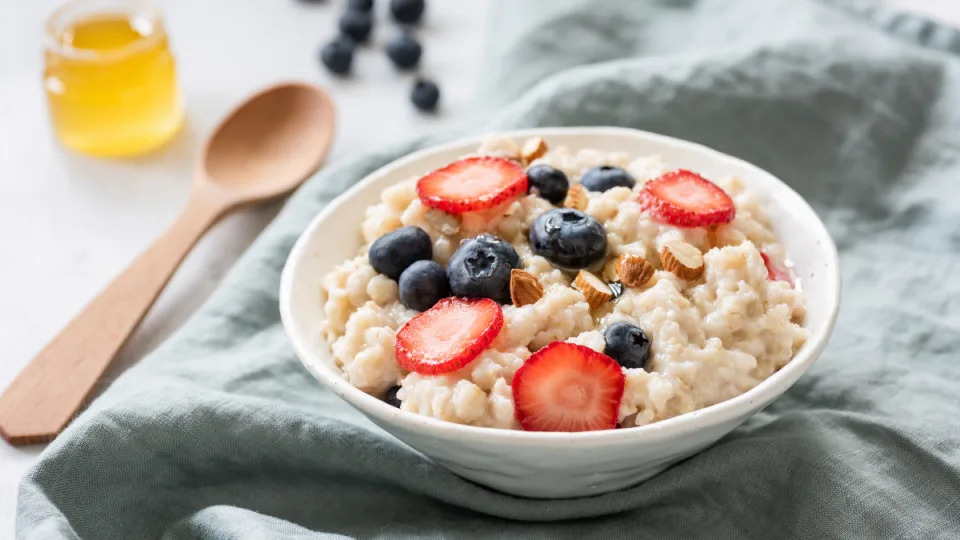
(562,289)
(395,251)
(481,268)
(423,284)
(627,344)
(605,177)
(568,238)
(548,182)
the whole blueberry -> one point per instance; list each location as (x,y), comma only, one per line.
(425,95)
(549,182)
(627,344)
(605,177)
(337,55)
(407,11)
(356,24)
(480,268)
(568,238)
(391,396)
(360,5)
(500,246)
(393,252)
(422,285)
(404,51)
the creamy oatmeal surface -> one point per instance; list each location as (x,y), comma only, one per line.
(711,338)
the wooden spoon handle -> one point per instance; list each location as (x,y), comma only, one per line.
(48,392)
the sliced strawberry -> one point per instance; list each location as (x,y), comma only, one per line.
(774,272)
(685,199)
(449,335)
(474,183)
(567,387)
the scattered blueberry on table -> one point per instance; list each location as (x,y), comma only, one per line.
(568,238)
(360,5)
(407,11)
(356,24)
(606,177)
(404,51)
(480,268)
(628,344)
(393,252)
(423,284)
(425,95)
(550,183)
(338,55)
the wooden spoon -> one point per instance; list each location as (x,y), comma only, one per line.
(265,148)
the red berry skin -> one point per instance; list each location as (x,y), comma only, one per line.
(775,273)
(683,198)
(448,336)
(568,387)
(472,184)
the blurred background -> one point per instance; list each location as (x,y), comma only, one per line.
(69,223)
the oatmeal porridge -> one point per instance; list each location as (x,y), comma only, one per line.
(562,289)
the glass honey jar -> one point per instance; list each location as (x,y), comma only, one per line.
(110,78)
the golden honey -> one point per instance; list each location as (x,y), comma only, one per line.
(111,80)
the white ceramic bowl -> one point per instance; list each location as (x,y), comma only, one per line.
(555,465)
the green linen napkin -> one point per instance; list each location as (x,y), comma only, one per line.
(222,434)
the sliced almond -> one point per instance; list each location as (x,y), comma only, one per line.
(503,147)
(576,198)
(593,288)
(609,273)
(532,149)
(525,288)
(634,270)
(682,259)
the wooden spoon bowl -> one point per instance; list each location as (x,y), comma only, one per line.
(269,145)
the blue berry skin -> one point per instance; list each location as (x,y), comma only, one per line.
(425,95)
(404,51)
(423,284)
(360,5)
(407,11)
(550,183)
(628,344)
(337,55)
(480,268)
(605,177)
(393,252)
(500,246)
(568,238)
(356,25)
(391,396)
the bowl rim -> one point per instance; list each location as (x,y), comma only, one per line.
(764,392)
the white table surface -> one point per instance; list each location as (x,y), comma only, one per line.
(69,223)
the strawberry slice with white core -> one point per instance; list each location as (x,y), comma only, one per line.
(685,199)
(449,335)
(567,387)
(471,184)
(774,272)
